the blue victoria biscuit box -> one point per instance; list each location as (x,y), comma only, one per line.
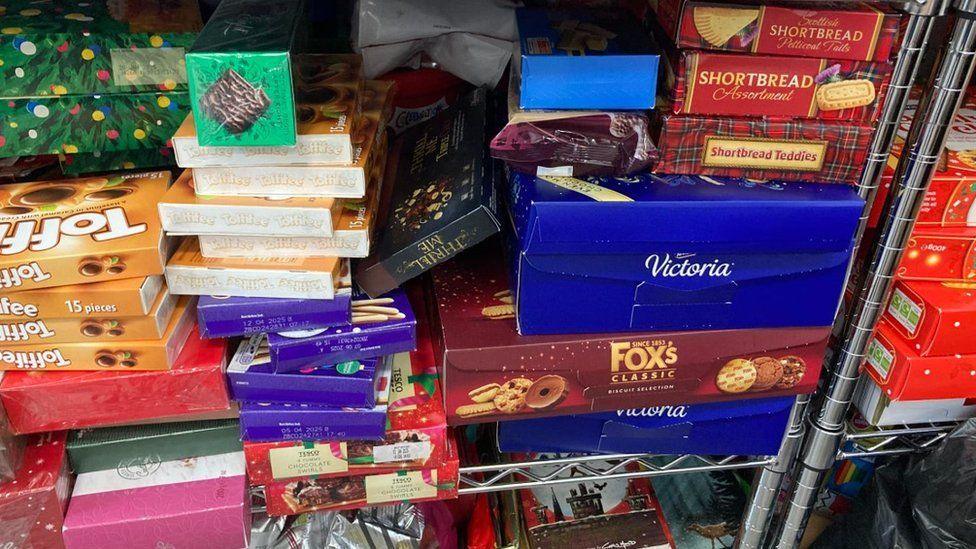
(608,59)
(748,427)
(677,253)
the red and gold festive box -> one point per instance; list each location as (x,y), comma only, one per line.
(904,375)
(416,433)
(350,492)
(730,84)
(944,254)
(47,401)
(935,318)
(762,148)
(32,506)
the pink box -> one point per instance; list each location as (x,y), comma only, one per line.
(200,503)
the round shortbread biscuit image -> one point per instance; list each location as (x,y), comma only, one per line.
(769,372)
(511,397)
(737,376)
(547,392)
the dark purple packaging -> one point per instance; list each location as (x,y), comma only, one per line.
(380,327)
(263,421)
(252,378)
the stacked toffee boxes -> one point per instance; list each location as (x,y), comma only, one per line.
(772,91)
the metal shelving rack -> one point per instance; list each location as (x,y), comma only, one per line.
(907,439)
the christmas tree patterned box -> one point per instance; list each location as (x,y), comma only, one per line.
(82,47)
(89,123)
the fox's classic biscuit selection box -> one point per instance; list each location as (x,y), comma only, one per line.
(56,233)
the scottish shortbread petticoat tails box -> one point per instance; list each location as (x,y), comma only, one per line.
(839,30)
(145,354)
(490,373)
(585,258)
(189,273)
(56,233)
(183,211)
(941,254)
(40,330)
(729,84)
(126,297)
(905,375)
(607,56)
(935,318)
(816,151)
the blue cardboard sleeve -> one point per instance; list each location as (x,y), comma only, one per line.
(677,253)
(748,427)
(585,59)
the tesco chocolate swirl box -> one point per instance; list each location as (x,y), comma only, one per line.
(264,421)
(730,254)
(490,373)
(816,151)
(125,297)
(841,30)
(57,233)
(381,326)
(729,84)
(252,377)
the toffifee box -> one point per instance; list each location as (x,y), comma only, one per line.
(729,84)
(416,433)
(252,378)
(351,492)
(751,427)
(57,233)
(349,181)
(49,401)
(816,151)
(840,30)
(940,254)
(606,55)
(265,421)
(879,410)
(168,504)
(490,373)
(125,297)
(584,258)
(145,354)
(39,330)
(190,273)
(905,375)
(327,90)
(222,316)
(32,506)
(933,317)
(183,211)
(381,326)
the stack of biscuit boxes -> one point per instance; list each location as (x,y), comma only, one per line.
(335,399)
(922,364)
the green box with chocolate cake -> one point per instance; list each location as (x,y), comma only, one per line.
(240,74)
(95,47)
(145,445)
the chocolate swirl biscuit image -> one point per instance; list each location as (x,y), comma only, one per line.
(308,495)
(737,376)
(234,103)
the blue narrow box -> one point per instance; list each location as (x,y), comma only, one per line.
(606,56)
(653,253)
(747,427)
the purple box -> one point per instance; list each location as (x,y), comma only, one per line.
(380,327)
(262,421)
(352,384)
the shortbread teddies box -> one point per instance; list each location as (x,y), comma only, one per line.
(56,233)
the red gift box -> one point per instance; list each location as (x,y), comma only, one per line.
(935,318)
(858,32)
(904,375)
(729,84)
(416,433)
(32,506)
(350,492)
(946,254)
(793,150)
(48,401)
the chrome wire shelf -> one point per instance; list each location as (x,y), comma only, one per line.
(896,441)
(544,472)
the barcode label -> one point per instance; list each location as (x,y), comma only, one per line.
(538,46)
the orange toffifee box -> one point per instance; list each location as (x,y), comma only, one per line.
(56,233)
(126,297)
(145,354)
